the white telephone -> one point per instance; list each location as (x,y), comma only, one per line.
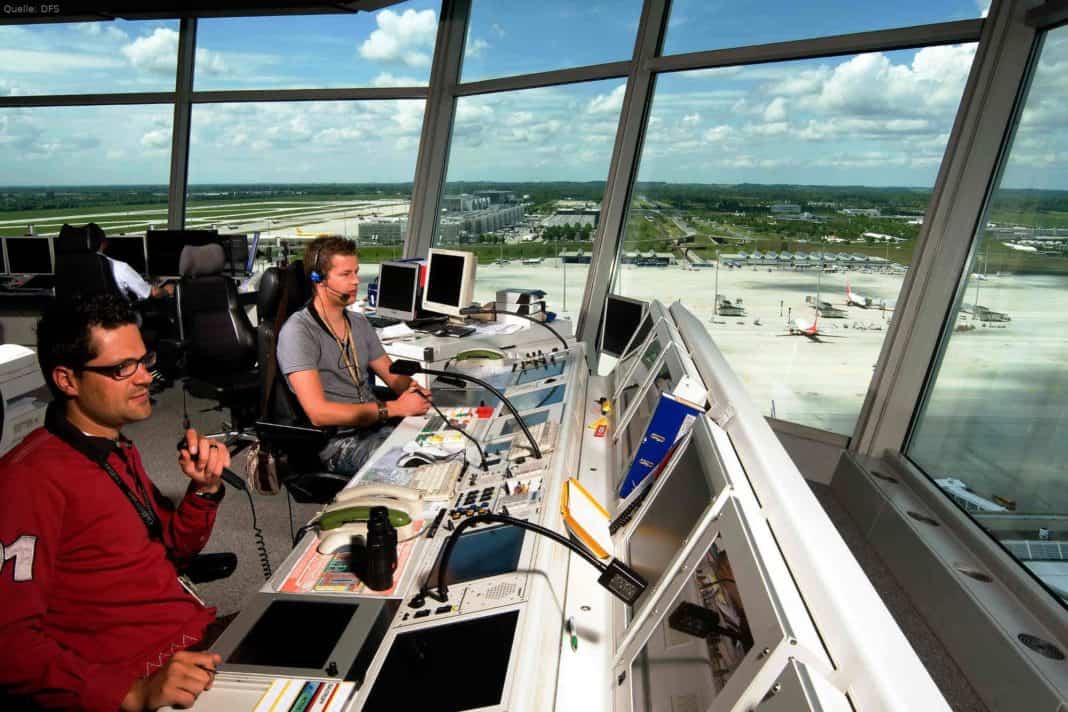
(347,516)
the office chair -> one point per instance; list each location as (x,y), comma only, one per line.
(80,269)
(217,338)
(283,428)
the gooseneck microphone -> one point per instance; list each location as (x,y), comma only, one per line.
(468,311)
(621,581)
(404,367)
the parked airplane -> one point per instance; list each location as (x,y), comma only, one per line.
(856,300)
(800,326)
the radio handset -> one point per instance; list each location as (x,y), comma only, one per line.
(350,511)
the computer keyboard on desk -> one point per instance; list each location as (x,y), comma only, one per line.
(455,330)
(427,322)
(437,481)
(381,322)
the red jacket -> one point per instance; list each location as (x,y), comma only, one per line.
(88,601)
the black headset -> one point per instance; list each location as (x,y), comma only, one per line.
(316,276)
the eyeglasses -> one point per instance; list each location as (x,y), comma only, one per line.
(125,369)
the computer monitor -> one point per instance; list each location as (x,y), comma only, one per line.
(28,255)
(450,281)
(130,250)
(398,289)
(236,250)
(164,248)
(622,317)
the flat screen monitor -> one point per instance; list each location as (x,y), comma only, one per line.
(28,255)
(539,398)
(622,317)
(482,553)
(639,336)
(236,250)
(164,248)
(458,666)
(450,281)
(130,250)
(398,288)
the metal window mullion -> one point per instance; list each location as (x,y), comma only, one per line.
(183,89)
(431,164)
(622,172)
(337,94)
(835,45)
(44,101)
(556,77)
(910,350)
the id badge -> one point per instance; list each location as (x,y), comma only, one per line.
(191,589)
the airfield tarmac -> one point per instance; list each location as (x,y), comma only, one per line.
(997,418)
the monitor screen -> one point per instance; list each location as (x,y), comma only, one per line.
(28,255)
(398,286)
(130,250)
(536,418)
(670,518)
(447,272)
(482,553)
(622,316)
(450,281)
(539,398)
(317,625)
(164,248)
(236,249)
(457,666)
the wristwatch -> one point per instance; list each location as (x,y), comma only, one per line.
(383,412)
(215,496)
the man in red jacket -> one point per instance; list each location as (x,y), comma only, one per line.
(92,614)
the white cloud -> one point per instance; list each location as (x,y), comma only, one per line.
(156,53)
(406,38)
(26,61)
(474,47)
(776,110)
(336,136)
(608,103)
(101,29)
(717,133)
(385,79)
(498,30)
(210,62)
(519,118)
(983,6)
(156,139)
(691,119)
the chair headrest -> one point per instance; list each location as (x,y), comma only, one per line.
(201,260)
(78,239)
(273,284)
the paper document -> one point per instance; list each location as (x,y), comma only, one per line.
(291,695)
(397,331)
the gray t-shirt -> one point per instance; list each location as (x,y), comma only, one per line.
(305,345)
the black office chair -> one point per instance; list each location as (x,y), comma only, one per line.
(80,269)
(218,340)
(284,429)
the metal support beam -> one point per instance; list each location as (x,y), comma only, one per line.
(945,245)
(187,42)
(622,173)
(438,116)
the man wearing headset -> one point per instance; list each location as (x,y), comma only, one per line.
(325,351)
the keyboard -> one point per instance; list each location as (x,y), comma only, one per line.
(427,322)
(381,322)
(455,330)
(437,481)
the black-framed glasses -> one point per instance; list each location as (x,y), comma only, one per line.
(125,369)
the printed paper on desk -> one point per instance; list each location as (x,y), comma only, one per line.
(397,331)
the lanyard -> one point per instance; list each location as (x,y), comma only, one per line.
(141,505)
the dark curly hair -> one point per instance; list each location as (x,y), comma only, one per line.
(64,329)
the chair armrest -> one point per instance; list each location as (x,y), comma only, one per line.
(210,567)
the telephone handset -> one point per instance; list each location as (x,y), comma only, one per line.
(347,516)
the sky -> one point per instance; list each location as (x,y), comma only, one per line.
(871,119)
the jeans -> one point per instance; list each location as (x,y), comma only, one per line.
(346,455)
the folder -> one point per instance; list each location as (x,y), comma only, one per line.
(672,418)
(586,519)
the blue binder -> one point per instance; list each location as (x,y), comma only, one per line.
(671,419)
